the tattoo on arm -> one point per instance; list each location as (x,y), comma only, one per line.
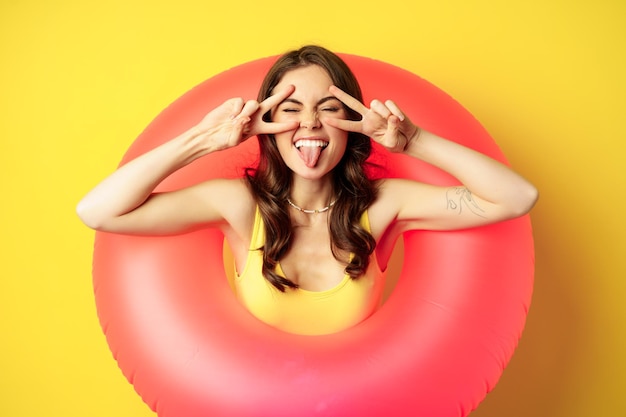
(460,198)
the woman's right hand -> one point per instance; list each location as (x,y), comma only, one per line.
(234,121)
(124,202)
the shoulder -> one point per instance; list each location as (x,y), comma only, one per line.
(383,211)
(221,203)
(231,197)
(234,201)
(394,194)
(228,188)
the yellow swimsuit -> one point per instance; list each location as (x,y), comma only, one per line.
(307,312)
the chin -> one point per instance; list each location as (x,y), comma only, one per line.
(312,174)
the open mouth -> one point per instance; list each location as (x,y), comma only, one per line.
(310,150)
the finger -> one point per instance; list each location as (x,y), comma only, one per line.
(249,108)
(272,128)
(275,99)
(348,100)
(236,105)
(346,125)
(380,108)
(393,107)
(393,126)
(239,130)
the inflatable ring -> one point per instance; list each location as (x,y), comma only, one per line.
(435,348)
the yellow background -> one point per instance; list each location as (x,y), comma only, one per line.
(79,80)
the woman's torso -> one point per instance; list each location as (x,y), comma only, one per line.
(239,224)
(327,301)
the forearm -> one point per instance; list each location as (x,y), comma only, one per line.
(131,184)
(483,176)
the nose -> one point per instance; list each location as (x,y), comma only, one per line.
(310,121)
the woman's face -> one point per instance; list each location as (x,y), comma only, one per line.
(314,148)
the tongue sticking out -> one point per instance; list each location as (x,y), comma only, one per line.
(310,155)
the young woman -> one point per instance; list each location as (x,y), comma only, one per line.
(311,234)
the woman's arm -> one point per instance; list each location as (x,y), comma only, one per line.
(490,191)
(124,201)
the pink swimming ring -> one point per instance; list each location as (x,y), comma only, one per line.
(435,348)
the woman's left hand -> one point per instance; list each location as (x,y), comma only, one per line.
(384,122)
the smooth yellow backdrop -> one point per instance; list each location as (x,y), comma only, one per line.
(79,80)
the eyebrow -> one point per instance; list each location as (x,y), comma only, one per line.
(321,101)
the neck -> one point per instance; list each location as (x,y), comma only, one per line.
(311,195)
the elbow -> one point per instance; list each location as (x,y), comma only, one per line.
(527,199)
(532,195)
(87,217)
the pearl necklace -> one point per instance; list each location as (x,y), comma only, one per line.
(311,211)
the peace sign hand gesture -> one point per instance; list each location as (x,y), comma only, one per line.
(384,122)
(234,121)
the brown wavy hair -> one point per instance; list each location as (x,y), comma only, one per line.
(271,181)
